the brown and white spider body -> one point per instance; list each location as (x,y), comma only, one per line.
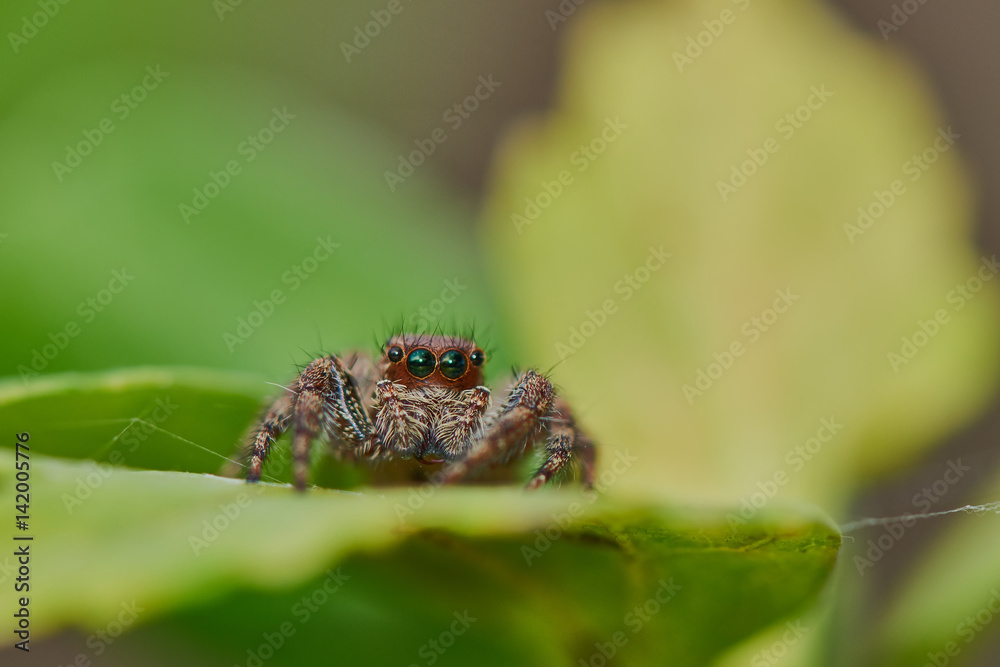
(424,399)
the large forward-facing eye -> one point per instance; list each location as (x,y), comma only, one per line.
(421,363)
(453,364)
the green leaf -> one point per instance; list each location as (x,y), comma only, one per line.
(155,418)
(774,153)
(213,559)
(727,364)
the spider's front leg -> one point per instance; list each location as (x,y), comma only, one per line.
(565,441)
(531,406)
(271,426)
(324,400)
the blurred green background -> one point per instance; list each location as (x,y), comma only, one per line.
(228,186)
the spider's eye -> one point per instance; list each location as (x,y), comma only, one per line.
(395,353)
(453,364)
(420,363)
(477,357)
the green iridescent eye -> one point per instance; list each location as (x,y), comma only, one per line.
(420,363)
(453,364)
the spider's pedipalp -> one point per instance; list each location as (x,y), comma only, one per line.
(458,426)
(397,422)
(529,401)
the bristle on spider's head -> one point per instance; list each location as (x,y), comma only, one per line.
(421,326)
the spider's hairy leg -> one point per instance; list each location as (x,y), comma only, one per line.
(308,422)
(327,403)
(271,426)
(362,370)
(323,400)
(528,402)
(565,443)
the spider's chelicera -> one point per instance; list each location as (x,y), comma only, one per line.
(423,399)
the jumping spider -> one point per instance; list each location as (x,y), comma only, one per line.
(424,399)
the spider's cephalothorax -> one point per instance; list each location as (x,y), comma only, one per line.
(424,399)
